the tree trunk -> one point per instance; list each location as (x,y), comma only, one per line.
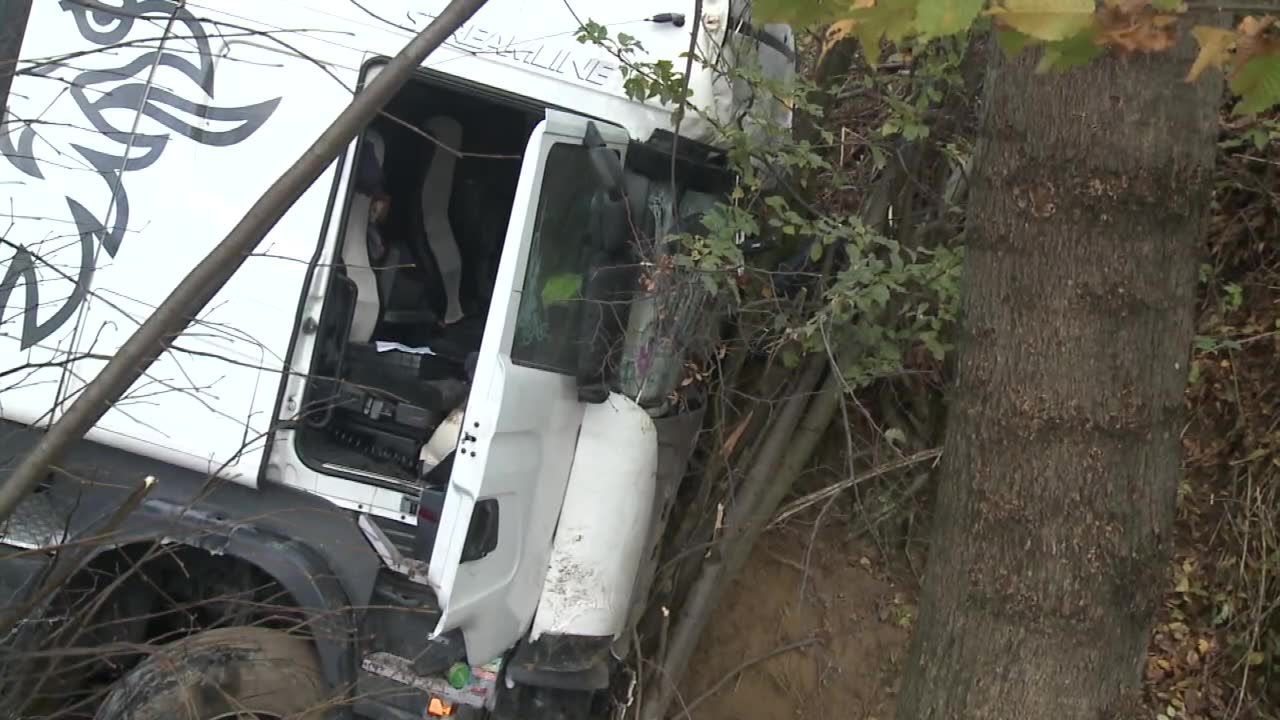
(1062,460)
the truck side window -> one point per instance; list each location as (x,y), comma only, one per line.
(547,334)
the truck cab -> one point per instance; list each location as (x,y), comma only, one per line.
(432,423)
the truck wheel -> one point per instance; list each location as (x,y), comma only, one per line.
(228,674)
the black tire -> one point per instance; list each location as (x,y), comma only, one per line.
(223,674)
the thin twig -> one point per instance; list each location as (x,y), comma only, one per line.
(813,540)
(675,689)
(799,505)
(744,666)
(63,571)
(684,102)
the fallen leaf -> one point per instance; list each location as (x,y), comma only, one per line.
(731,442)
(1135,30)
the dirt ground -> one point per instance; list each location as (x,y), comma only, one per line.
(857,614)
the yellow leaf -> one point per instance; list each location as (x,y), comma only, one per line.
(836,32)
(1255,658)
(1049,20)
(863,4)
(1215,49)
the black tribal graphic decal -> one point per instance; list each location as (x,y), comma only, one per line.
(124,151)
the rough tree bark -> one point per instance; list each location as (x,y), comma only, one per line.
(1062,457)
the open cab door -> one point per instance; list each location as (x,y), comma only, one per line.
(524,411)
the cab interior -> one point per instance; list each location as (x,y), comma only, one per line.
(426,214)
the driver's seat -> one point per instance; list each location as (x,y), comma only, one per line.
(436,252)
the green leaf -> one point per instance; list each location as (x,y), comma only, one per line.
(933,345)
(795,12)
(890,20)
(1235,296)
(1046,19)
(1257,84)
(708,282)
(1224,613)
(561,289)
(877,157)
(1070,53)
(1012,42)
(936,18)
(1167,5)
(592,32)
(1259,137)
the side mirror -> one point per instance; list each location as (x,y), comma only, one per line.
(604,162)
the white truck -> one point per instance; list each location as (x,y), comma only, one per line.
(419,452)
